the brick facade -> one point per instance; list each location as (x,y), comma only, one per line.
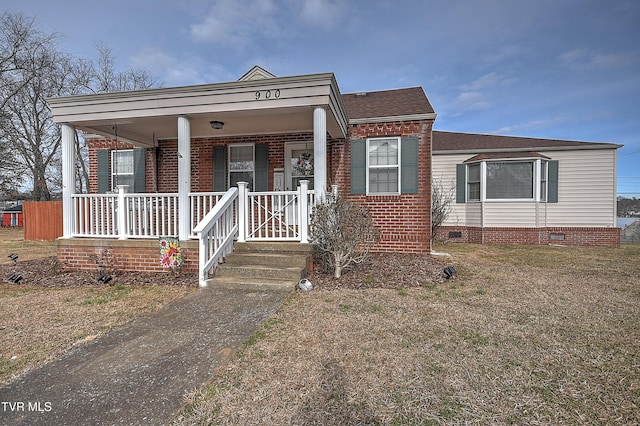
(404,220)
(571,236)
(121,255)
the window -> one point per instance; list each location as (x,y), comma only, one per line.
(473,182)
(241,165)
(509,180)
(383,166)
(503,180)
(122,168)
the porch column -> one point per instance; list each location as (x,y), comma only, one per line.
(68,178)
(184,177)
(319,152)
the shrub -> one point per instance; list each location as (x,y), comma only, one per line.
(343,232)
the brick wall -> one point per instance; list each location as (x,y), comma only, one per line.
(572,236)
(121,255)
(404,220)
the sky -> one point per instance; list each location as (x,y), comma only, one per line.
(559,69)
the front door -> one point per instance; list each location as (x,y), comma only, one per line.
(298,164)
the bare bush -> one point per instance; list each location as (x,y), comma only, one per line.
(342,233)
(441,205)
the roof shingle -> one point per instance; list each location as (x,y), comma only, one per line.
(387,103)
(452,141)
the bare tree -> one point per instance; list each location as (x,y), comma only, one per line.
(33,69)
(21,44)
(343,232)
(101,76)
(441,205)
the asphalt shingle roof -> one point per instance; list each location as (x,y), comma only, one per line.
(387,103)
(452,141)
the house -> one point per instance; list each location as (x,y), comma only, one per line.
(239,161)
(13,216)
(202,167)
(527,191)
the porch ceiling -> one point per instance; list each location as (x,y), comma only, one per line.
(144,131)
(276,105)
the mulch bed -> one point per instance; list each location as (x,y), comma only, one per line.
(49,272)
(384,270)
(379,270)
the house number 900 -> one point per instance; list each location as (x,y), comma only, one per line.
(267,94)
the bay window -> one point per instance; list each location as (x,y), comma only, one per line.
(507,180)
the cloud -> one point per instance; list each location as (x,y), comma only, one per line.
(470,101)
(530,126)
(177,72)
(489,80)
(322,13)
(592,58)
(237,22)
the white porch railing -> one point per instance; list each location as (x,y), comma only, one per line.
(260,216)
(274,216)
(202,203)
(216,233)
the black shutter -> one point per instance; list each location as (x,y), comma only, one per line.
(262,168)
(552,182)
(139,171)
(409,165)
(103,171)
(220,168)
(461,183)
(358,167)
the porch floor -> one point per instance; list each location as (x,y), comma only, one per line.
(136,375)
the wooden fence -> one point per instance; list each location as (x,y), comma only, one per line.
(42,220)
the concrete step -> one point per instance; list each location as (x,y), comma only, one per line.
(272,247)
(252,265)
(235,283)
(260,272)
(267,259)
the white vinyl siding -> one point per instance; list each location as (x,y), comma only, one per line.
(586,194)
(444,171)
(586,189)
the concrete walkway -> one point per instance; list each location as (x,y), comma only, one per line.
(138,374)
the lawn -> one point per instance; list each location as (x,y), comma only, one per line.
(524,335)
(51,312)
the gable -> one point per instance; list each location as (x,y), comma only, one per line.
(256,73)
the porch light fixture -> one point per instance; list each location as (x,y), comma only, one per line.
(216,124)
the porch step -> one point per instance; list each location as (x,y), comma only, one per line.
(272,247)
(264,265)
(260,272)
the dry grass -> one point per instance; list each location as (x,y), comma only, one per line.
(42,318)
(524,335)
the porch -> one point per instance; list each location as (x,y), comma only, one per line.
(128,226)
